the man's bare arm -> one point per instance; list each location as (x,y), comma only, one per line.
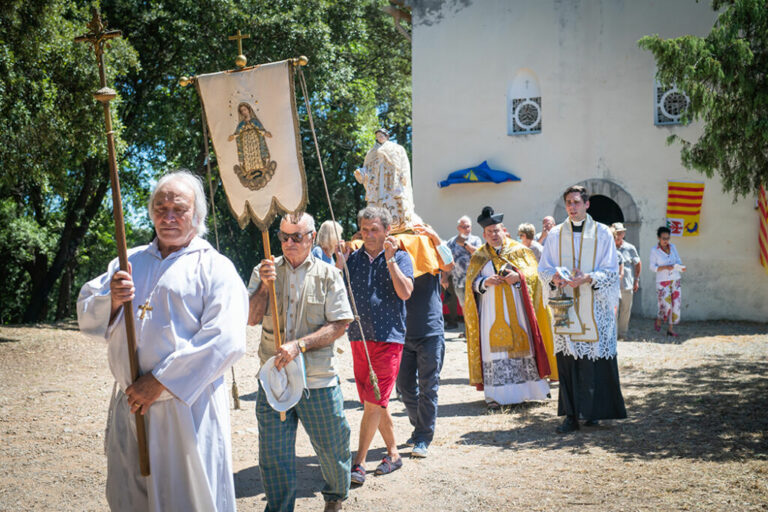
(325,335)
(257,305)
(322,337)
(403,284)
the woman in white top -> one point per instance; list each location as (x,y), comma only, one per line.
(666,263)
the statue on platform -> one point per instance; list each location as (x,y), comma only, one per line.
(386,176)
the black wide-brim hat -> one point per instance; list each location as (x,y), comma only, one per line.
(489,218)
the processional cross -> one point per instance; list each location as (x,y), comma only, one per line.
(97,36)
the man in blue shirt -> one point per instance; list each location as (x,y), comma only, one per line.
(419,376)
(382,280)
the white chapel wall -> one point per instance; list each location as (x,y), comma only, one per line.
(597,123)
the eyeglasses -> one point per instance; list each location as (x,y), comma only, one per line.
(665,238)
(296,237)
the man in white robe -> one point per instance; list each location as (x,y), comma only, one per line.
(191,308)
(503,309)
(580,257)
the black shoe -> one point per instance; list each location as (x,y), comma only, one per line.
(591,423)
(332,506)
(570,424)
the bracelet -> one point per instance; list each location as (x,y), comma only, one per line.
(392,260)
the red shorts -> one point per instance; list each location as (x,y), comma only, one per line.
(385,359)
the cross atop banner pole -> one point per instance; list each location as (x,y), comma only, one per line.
(97,36)
(241,60)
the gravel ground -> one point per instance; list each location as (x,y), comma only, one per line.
(696,436)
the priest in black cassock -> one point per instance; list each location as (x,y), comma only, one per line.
(580,257)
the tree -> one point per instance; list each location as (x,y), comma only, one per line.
(358,78)
(54,186)
(51,146)
(724,75)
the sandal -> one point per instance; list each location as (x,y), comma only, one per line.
(388,465)
(358,474)
(671,333)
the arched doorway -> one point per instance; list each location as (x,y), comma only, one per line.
(609,203)
(604,209)
(609,198)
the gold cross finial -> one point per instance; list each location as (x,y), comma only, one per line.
(240,61)
(239,37)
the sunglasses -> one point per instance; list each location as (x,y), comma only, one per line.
(296,237)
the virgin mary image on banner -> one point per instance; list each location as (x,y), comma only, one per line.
(254,169)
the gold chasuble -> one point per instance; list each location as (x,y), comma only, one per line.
(503,336)
(581,317)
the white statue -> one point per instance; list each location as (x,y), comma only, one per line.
(386,176)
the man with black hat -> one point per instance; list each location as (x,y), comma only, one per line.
(503,309)
(580,258)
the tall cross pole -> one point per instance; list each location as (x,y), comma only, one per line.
(98,35)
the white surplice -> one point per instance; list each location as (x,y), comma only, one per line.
(605,283)
(192,335)
(505,380)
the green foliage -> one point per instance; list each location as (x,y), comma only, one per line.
(24,245)
(51,143)
(53,219)
(358,78)
(724,74)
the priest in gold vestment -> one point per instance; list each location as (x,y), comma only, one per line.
(503,309)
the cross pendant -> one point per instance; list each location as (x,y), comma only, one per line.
(144,308)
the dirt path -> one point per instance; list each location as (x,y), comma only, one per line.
(696,437)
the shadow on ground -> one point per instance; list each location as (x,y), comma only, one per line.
(309,479)
(713,412)
(641,329)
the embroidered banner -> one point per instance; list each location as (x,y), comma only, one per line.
(684,207)
(253,124)
(762,203)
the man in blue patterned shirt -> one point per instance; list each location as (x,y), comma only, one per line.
(382,280)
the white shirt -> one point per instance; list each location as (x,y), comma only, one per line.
(660,258)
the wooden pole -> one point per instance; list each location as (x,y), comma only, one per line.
(97,36)
(272,300)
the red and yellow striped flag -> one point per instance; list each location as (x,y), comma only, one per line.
(762,203)
(684,207)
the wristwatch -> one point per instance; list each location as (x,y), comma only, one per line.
(302,346)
